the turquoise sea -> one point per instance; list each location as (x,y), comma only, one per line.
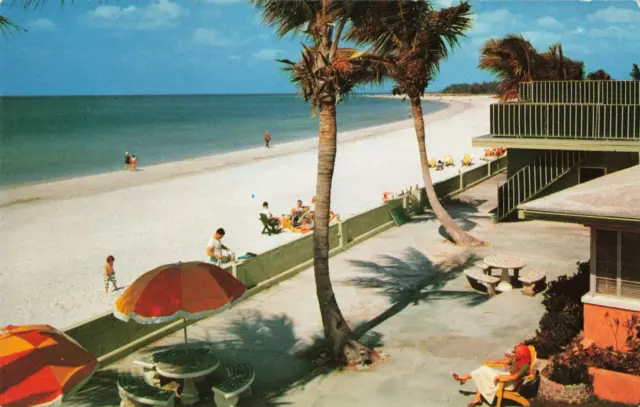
(46,138)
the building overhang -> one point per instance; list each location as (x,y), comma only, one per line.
(572,144)
(632,224)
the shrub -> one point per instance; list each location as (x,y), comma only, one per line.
(564,316)
(570,369)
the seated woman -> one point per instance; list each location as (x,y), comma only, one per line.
(296,213)
(440,165)
(487,378)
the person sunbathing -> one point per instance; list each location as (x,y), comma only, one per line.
(297,213)
(440,165)
(487,378)
(273,220)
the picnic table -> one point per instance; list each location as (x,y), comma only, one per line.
(186,363)
(504,263)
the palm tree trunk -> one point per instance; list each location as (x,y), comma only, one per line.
(456,233)
(338,334)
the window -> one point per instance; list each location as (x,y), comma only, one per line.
(617,260)
(606,261)
(630,265)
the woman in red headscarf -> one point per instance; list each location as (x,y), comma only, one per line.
(487,378)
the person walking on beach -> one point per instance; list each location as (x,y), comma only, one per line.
(215,248)
(267,139)
(127,161)
(109,275)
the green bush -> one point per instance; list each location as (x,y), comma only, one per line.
(570,369)
(564,316)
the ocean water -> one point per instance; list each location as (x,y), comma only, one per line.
(46,138)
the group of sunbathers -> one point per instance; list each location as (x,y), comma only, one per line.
(494,152)
(301,216)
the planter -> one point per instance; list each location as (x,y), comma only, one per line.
(615,386)
(574,394)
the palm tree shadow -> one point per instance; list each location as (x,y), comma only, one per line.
(411,279)
(462,212)
(100,391)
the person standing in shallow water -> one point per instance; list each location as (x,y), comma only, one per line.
(267,139)
(127,161)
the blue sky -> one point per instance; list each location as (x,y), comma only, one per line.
(219,46)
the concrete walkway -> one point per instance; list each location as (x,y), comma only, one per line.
(406,289)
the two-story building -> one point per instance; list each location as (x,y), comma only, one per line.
(563,133)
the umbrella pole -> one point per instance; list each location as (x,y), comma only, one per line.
(185,329)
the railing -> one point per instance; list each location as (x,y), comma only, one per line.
(535,178)
(601,122)
(589,92)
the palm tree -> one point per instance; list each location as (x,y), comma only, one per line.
(413,38)
(599,75)
(635,73)
(324,73)
(513,60)
(6,25)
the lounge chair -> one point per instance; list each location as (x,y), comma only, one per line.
(514,395)
(432,162)
(269,226)
(448,160)
(467,160)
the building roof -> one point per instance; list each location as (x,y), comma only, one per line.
(613,199)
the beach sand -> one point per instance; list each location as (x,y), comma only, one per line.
(57,235)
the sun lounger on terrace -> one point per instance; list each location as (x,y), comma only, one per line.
(269,227)
(432,162)
(514,395)
(448,160)
(467,160)
(238,382)
(133,389)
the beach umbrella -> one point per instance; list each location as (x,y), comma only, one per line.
(189,290)
(39,365)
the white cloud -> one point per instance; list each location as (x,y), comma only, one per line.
(267,54)
(542,39)
(235,57)
(209,36)
(612,32)
(485,24)
(579,30)
(157,15)
(41,24)
(549,22)
(614,15)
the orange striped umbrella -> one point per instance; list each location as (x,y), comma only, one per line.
(39,364)
(181,290)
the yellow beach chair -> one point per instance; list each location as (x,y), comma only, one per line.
(467,160)
(514,394)
(432,162)
(448,160)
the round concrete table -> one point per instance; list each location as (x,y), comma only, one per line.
(186,363)
(505,263)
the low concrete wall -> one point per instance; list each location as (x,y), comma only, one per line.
(110,339)
(615,386)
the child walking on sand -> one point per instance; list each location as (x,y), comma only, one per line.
(134,162)
(109,275)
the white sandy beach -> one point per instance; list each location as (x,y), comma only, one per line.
(55,236)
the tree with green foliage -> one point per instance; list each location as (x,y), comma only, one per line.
(324,75)
(483,88)
(635,73)
(514,60)
(599,75)
(413,38)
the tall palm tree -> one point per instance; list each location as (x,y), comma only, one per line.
(324,73)
(599,75)
(513,60)
(414,38)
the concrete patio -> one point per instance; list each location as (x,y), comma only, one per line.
(405,290)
